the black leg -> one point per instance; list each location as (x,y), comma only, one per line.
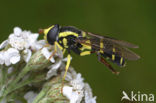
(102,60)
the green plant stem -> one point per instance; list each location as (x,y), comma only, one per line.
(3,75)
(51,92)
(13,84)
(43,92)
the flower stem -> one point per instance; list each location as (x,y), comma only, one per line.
(51,92)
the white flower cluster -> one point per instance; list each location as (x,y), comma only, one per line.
(10,56)
(22,39)
(21,45)
(78,89)
(20,42)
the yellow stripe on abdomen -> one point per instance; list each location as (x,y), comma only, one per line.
(113,50)
(113,57)
(83,34)
(101,46)
(121,60)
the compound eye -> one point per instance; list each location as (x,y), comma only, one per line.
(53,34)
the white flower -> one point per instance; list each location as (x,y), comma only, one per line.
(57,64)
(2,59)
(11,56)
(38,45)
(17,42)
(22,39)
(17,31)
(3,44)
(73,96)
(47,54)
(30,96)
(67,91)
(27,55)
(76,92)
(78,89)
(77,83)
(88,94)
(53,69)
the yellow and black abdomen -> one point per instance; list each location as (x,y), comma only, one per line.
(114,58)
(107,50)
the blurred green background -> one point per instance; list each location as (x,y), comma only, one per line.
(130,20)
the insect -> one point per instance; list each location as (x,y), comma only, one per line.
(69,38)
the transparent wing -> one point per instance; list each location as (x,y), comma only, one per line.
(113,40)
(109,44)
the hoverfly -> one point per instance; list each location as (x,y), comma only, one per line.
(69,38)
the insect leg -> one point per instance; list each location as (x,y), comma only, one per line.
(55,50)
(102,60)
(46,45)
(64,50)
(66,69)
(56,46)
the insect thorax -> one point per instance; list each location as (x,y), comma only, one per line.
(67,36)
